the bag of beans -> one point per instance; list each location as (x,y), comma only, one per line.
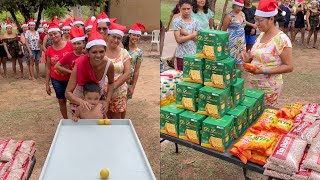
(305,130)
(304,117)
(20,161)
(314,175)
(312,109)
(3,168)
(17,174)
(275,174)
(274,167)
(303,173)
(8,151)
(27,147)
(288,152)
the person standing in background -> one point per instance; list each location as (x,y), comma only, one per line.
(287,8)
(3,55)
(185,32)
(250,31)
(299,22)
(313,21)
(203,14)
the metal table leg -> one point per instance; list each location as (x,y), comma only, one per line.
(245,173)
(177,149)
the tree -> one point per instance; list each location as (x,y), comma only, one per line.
(223,13)
(49,13)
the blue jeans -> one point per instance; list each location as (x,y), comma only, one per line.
(59,87)
(36,54)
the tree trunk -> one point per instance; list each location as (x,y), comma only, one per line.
(223,13)
(25,13)
(39,14)
(15,18)
(213,5)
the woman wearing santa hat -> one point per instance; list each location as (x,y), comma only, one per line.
(313,20)
(66,26)
(131,45)
(93,67)
(45,26)
(271,53)
(59,79)
(25,51)
(32,38)
(103,25)
(235,22)
(13,50)
(121,61)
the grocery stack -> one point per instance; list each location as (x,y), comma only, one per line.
(168,81)
(211,108)
(16,158)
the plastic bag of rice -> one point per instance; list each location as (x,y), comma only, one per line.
(288,152)
(312,109)
(314,175)
(17,174)
(8,151)
(20,161)
(27,147)
(277,168)
(275,174)
(3,168)
(304,117)
(305,130)
(303,173)
(312,161)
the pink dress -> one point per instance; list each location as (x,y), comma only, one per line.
(267,56)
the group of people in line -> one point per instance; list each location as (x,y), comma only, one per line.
(270,50)
(92,64)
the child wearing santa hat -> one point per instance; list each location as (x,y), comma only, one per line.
(32,38)
(59,79)
(271,53)
(12,47)
(85,68)
(121,62)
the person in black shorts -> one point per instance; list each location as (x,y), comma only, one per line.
(250,31)
(287,8)
(299,23)
(3,56)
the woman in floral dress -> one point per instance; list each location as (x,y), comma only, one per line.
(271,53)
(121,62)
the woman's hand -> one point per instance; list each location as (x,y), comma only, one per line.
(258,70)
(183,32)
(130,91)
(105,107)
(9,56)
(86,105)
(74,119)
(253,31)
(48,89)
(247,56)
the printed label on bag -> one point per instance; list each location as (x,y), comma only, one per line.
(283,148)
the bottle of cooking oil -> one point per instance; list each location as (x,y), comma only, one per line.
(163,98)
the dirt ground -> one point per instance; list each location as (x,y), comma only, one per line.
(301,85)
(27,112)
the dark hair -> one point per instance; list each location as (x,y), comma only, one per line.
(205,7)
(91,87)
(181,2)
(274,20)
(125,42)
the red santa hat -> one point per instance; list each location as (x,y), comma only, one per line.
(55,20)
(8,23)
(67,24)
(24,24)
(95,38)
(77,34)
(113,20)
(117,29)
(103,17)
(45,24)
(238,2)
(89,22)
(31,22)
(267,8)
(136,29)
(53,27)
(77,21)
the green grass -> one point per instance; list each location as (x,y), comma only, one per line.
(167,6)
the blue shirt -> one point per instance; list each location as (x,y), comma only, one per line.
(288,12)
